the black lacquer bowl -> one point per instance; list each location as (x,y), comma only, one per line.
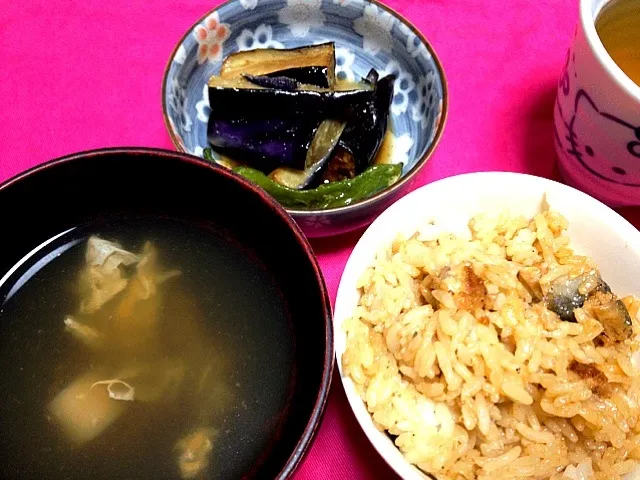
(63,193)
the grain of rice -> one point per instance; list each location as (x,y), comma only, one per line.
(491,464)
(567,430)
(533,435)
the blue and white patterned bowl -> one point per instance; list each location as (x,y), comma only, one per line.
(367,35)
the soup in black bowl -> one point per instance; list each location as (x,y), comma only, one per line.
(160,318)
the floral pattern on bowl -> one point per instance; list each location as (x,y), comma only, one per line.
(366,34)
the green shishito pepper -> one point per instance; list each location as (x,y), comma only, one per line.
(330,195)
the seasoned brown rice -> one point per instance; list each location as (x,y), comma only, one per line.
(458,357)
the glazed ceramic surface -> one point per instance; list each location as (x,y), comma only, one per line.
(597,118)
(367,35)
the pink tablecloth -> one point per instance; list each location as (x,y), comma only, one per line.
(85,74)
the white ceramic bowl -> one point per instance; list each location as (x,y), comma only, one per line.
(447,206)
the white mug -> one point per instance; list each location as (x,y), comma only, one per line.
(597,118)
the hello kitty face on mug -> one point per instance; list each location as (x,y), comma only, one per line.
(621,148)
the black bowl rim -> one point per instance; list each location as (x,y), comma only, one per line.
(317,413)
(362,204)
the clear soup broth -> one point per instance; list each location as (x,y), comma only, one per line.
(618,26)
(141,349)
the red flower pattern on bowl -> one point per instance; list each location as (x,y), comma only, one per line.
(211,37)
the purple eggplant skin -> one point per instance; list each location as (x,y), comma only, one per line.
(229,103)
(277,82)
(317,76)
(265,143)
(368,125)
(324,142)
(372,77)
(291,78)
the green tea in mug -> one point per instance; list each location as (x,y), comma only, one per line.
(618,26)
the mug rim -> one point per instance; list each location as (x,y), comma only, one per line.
(588,21)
